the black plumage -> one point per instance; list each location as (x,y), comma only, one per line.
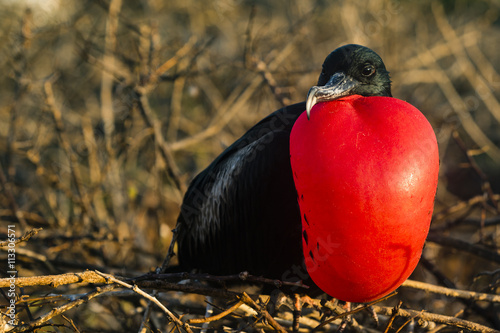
(241,212)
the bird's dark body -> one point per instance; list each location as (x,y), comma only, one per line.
(224,230)
(241,212)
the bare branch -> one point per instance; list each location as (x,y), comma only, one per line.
(27,235)
(63,308)
(437,318)
(149,297)
(463,294)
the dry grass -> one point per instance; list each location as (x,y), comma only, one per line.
(108,109)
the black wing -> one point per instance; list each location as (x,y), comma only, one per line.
(241,212)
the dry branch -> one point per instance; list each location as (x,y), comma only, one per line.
(477,250)
(27,235)
(479,83)
(149,297)
(437,318)
(12,201)
(250,302)
(464,294)
(162,144)
(56,280)
(216,317)
(61,309)
(360,308)
(460,108)
(242,277)
(97,277)
(486,186)
(457,207)
(65,143)
(233,104)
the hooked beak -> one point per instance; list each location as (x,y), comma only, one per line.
(339,85)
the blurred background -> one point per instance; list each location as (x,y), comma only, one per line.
(108,108)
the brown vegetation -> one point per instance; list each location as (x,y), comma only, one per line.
(108,108)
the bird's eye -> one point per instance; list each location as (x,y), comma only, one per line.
(368,70)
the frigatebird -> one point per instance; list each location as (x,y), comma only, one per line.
(241,212)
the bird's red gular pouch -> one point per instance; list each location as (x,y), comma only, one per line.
(366,172)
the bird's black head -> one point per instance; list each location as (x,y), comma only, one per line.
(350,70)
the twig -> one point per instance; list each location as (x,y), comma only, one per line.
(348,313)
(297,312)
(20,59)
(97,174)
(307,323)
(51,298)
(232,105)
(64,140)
(170,253)
(71,322)
(460,205)
(440,327)
(243,276)
(50,180)
(162,144)
(394,314)
(92,277)
(464,294)
(263,69)
(248,35)
(485,182)
(188,288)
(182,52)
(469,302)
(408,321)
(464,246)
(460,108)
(55,280)
(109,62)
(118,200)
(27,235)
(488,222)
(149,297)
(30,217)
(216,317)
(450,321)
(63,308)
(482,63)
(440,276)
(34,256)
(478,83)
(442,50)
(12,201)
(487,273)
(146,315)
(176,105)
(250,302)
